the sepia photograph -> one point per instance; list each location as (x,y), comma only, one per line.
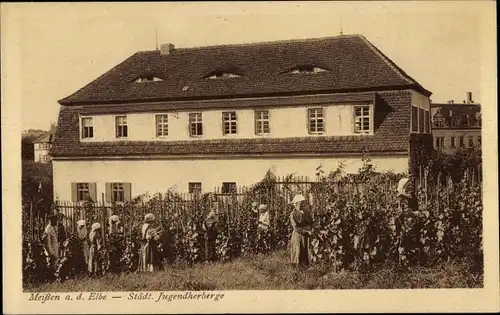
(179,152)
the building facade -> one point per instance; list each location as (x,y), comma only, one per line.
(192,119)
(42,146)
(456,125)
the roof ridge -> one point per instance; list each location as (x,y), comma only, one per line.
(281,41)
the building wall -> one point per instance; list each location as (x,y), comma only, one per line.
(421,101)
(448,133)
(41,153)
(284,122)
(159,175)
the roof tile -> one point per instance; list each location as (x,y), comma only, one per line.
(353,63)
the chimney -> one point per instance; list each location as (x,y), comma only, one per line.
(166,49)
(469,97)
(450,102)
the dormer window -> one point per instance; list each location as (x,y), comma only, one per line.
(308,69)
(222,75)
(150,78)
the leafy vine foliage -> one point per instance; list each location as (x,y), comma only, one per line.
(358,225)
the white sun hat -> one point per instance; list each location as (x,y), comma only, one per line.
(401,186)
(114,218)
(298,198)
(255,204)
(262,207)
(149,217)
(80,223)
(96,226)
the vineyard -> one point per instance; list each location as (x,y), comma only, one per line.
(355,225)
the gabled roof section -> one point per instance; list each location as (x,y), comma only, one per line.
(47,137)
(353,64)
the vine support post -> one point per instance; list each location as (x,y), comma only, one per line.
(31,225)
(160,199)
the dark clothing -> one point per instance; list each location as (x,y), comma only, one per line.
(167,243)
(299,243)
(210,228)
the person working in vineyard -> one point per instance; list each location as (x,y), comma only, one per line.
(150,238)
(301,222)
(264,221)
(50,240)
(95,252)
(114,249)
(81,233)
(210,228)
(115,226)
(252,227)
(407,232)
(263,235)
(61,231)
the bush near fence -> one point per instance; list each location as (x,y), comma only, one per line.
(354,224)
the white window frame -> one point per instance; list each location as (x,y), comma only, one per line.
(163,124)
(191,184)
(115,187)
(316,119)
(229,184)
(260,120)
(461,142)
(82,127)
(439,142)
(230,122)
(116,126)
(198,119)
(369,131)
(80,189)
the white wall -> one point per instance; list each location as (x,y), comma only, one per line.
(457,133)
(159,175)
(420,100)
(38,153)
(284,122)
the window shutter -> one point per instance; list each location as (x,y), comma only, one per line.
(127,191)
(93,192)
(255,117)
(269,120)
(323,115)
(236,122)
(108,192)
(307,121)
(74,192)
(222,123)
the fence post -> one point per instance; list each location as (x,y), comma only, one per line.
(31,226)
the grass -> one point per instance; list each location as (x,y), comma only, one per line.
(270,272)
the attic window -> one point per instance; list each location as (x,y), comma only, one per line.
(222,75)
(150,78)
(307,70)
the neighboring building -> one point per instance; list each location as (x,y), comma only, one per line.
(42,145)
(221,116)
(27,148)
(456,125)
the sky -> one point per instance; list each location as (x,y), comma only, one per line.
(63,47)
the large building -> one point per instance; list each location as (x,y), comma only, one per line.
(456,125)
(220,116)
